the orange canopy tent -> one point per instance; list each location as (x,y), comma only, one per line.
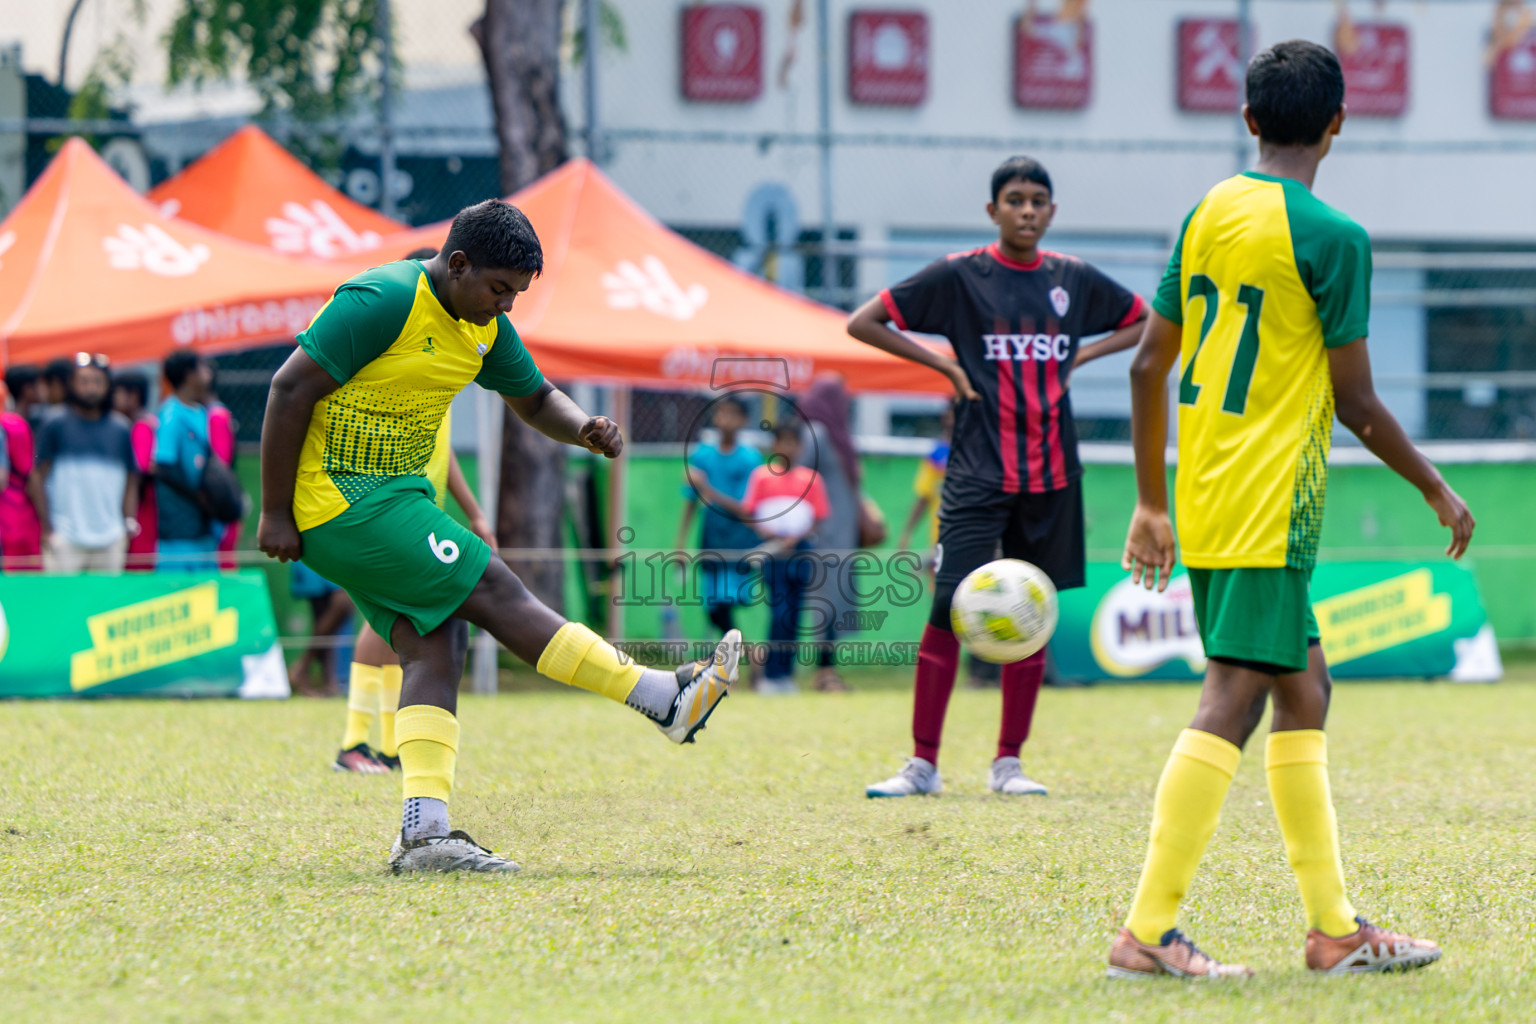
(624,299)
(87,263)
(251,188)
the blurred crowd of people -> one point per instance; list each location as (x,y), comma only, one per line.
(97,481)
(767,513)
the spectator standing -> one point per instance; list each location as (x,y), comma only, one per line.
(188,535)
(827,446)
(130,400)
(84,485)
(52,393)
(785,503)
(21,534)
(222,429)
(718,474)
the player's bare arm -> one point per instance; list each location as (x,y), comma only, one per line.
(1149,544)
(1122,339)
(1362,412)
(870,324)
(298,384)
(553,413)
(459,488)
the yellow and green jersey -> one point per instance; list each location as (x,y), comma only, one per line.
(400,359)
(1264,279)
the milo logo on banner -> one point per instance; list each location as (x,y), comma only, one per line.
(1377,620)
(1135,630)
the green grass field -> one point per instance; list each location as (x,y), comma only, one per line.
(198,862)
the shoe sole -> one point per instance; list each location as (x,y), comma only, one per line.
(356,771)
(1028,792)
(1406,962)
(699,725)
(870,794)
(1126,974)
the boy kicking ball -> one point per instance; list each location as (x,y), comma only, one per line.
(1014,314)
(1267,298)
(351,424)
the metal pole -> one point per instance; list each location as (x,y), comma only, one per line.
(618,513)
(488,414)
(590,29)
(386,112)
(824,128)
(1242,149)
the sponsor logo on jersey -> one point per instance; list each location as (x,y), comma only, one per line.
(1027,348)
(1060,300)
(482,348)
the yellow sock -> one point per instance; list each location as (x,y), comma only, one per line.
(429,748)
(576,656)
(1184,814)
(389,703)
(362,703)
(1297,763)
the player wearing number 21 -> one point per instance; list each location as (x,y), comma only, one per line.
(1266,302)
(351,427)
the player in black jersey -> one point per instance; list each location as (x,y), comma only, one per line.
(1014,314)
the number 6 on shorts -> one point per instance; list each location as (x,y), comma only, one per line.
(446,551)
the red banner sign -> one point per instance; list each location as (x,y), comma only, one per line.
(888,58)
(1375,69)
(1053,63)
(1512,85)
(722,53)
(1210,70)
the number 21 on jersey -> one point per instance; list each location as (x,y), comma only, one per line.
(1247,354)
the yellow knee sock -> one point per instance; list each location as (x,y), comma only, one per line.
(389,703)
(362,703)
(576,656)
(1184,814)
(429,748)
(1297,763)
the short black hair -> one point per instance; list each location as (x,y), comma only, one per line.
(787,428)
(61,369)
(1294,91)
(496,234)
(736,403)
(136,384)
(1026,168)
(426,252)
(20,377)
(179,366)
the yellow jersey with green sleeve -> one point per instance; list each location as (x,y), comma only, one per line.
(1264,279)
(399,358)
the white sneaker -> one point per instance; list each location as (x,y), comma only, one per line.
(919,778)
(455,851)
(785,687)
(1008,777)
(701,686)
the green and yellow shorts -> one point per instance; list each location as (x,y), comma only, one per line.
(1256,618)
(396,553)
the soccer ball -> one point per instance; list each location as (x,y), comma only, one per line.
(1004,611)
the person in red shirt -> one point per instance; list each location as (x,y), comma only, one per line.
(222,428)
(783,503)
(130,396)
(21,535)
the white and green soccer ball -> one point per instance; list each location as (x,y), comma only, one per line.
(1004,611)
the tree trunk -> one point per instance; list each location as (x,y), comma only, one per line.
(520,44)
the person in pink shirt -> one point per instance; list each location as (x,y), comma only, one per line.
(783,503)
(130,398)
(221,438)
(21,535)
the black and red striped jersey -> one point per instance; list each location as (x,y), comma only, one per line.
(1015,329)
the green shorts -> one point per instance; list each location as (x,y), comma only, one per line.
(1261,617)
(396,553)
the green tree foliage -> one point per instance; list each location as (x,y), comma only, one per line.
(309,59)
